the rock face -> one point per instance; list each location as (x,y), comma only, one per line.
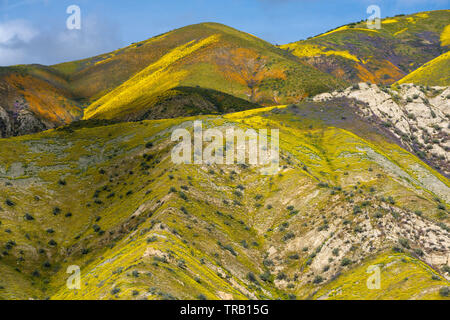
(418,116)
(24,122)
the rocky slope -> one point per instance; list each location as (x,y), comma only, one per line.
(418,116)
(34,98)
(109,199)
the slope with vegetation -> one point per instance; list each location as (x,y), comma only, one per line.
(34,98)
(207,55)
(433,73)
(356,53)
(107,197)
(417,116)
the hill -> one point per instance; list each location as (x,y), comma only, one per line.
(107,198)
(207,55)
(34,98)
(433,73)
(417,116)
(358,54)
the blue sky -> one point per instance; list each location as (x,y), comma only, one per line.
(34,31)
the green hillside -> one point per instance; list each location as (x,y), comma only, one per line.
(107,198)
(211,56)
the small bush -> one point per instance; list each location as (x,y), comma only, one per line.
(115,291)
(444,291)
(404,243)
(345,262)
(317,280)
(251,277)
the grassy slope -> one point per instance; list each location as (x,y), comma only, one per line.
(433,73)
(41,90)
(207,55)
(156,243)
(356,53)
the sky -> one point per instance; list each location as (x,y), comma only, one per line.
(36,31)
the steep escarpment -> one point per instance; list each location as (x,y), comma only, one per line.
(418,116)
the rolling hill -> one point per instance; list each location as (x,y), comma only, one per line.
(358,54)
(433,73)
(362,183)
(130,81)
(107,198)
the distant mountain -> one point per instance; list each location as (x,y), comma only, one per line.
(355,53)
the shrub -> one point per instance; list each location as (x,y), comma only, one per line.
(148,145)
(378,215)
(183,195)
(115,291)
(317,280)
(444,291)
(266,276)
(357,209)
(135,273)
(288,236)
(345,262)
(281,276)
(404,243)
(251,277)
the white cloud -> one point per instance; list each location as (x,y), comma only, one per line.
(23,43)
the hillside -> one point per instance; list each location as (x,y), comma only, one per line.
(433,73)
(207,55)
(109,199)
(358,54)
(34,98)
(417,116)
